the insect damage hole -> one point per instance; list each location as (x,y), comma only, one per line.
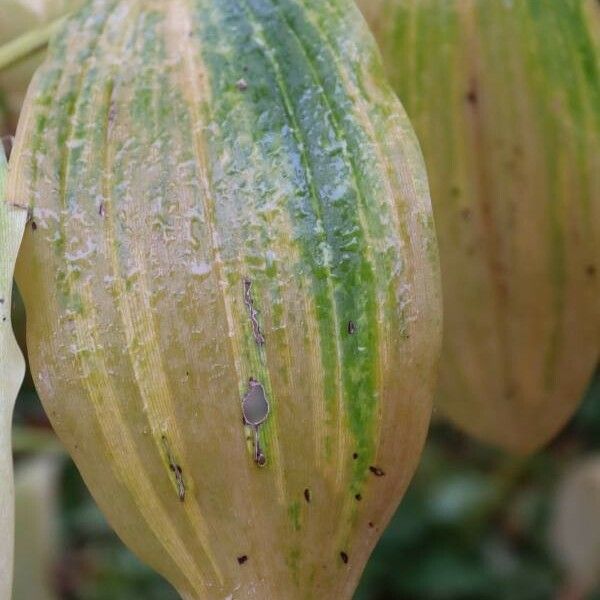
(255,408)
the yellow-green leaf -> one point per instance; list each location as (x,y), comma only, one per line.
(232,285)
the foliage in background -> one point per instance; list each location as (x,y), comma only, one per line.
(37,542)
(16,18)
(505,97)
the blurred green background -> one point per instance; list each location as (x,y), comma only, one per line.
(475,524)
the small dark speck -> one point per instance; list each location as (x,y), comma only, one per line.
(344,557)
(371,524)
(242,85)
(242,559)
(355,455)
(377,471)
(101,209)
(351,327)
(307,495)
(358,497)
(33,225)
(471,97)
(187,373)
(591,269)
(1,300)
(3,319)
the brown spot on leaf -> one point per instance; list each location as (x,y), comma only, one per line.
(351,328)
(344,557)
(176,469)
(307,495)
(377,471)
(358,497)
(591,269)
(471,96)
(242,559)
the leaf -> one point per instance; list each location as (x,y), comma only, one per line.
(12,372)
(231,286)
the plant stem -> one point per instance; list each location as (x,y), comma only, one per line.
(27,44)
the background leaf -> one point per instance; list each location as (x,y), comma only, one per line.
(12,371)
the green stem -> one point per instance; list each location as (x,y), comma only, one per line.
(27,44)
